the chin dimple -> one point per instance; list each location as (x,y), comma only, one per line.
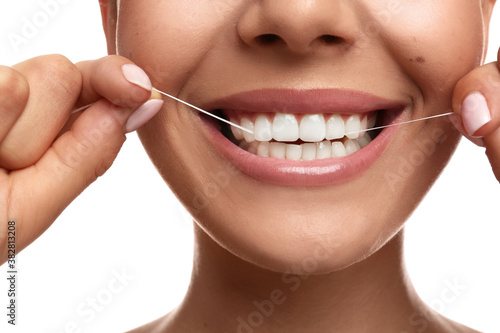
(314,136)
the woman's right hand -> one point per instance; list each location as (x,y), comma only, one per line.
(48,155)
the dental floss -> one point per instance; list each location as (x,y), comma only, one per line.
(186,103)
(251,132)
(82,108)
(402,123)
(205,112)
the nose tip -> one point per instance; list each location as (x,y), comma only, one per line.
(298,25)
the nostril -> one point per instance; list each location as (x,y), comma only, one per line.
(269,39)
(330,39)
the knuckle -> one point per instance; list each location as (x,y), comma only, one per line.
(91,155)
(61,74)
(66,157)
(14,89)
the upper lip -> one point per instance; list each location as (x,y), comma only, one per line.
(305,101)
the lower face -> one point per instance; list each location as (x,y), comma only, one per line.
(300,182)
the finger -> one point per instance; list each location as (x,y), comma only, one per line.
(476,101)
(74,116)
(115,78)
(55,84)
(67,85)
(14,93)
(74,161)
(456,122)
(492,142)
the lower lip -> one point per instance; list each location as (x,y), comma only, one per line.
(316,173)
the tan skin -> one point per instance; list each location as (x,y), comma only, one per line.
(358,283)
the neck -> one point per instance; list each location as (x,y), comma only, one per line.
(228,294)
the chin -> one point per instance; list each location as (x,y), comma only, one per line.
(303,244)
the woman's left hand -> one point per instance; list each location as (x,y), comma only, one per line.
(476,103)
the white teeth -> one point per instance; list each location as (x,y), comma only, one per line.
(263,149)
(263,129)
(338,149)
(237,133)
(324,150)
(246,123)
(293,152)
(277,149)
(353,124)
(335,127)
(351,146)
(312,128)
(308,151)
(285,128)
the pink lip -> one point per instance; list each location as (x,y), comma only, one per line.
(304,101)
(325,172)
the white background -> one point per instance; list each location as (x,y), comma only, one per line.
(129,220)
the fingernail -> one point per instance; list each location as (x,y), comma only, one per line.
(143,114)
(475,112)
(137,76)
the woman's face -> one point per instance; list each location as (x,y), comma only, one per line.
(319,65)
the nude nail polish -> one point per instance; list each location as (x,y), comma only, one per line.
(475,112)
(137,76)
(143,114)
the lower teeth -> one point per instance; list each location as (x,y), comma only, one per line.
(306,151)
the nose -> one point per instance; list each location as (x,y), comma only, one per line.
(301,26)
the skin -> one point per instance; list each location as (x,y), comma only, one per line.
(189,71)
(262,225)
(252,237)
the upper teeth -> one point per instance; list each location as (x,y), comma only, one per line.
(312,128)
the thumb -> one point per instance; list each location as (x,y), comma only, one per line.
(476,101)
(75,160)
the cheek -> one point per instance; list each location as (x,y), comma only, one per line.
(169,39)
(437,42)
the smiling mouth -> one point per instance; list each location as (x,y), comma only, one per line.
(302,137)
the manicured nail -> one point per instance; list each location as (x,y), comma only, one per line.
(143,114)
(475,112)
(137,76)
